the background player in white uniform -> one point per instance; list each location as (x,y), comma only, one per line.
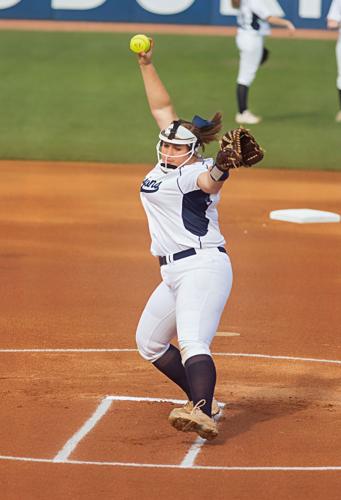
(254,19)
(334,22)
(180,198)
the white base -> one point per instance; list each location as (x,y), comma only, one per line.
(304,215)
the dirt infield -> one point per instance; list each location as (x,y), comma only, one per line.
(82,415)
(35,25)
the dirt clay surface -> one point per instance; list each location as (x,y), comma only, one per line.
(82,415)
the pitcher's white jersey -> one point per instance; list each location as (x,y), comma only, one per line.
(180,215)
(252,17)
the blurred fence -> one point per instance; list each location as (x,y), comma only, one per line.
(304,13)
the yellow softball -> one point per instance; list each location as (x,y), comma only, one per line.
(139,43)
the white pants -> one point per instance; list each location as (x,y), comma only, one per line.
(188,304)
(338,62)
(250,45)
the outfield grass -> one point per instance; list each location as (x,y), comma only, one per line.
(79,96)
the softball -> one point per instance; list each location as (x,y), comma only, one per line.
(139,43)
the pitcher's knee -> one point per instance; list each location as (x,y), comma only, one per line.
(150,350)
(143,349)
(189,348)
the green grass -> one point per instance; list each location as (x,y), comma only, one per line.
(79,96)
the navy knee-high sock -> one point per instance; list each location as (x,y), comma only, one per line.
(201,375)
(242,97)
(170,364)
(339,97)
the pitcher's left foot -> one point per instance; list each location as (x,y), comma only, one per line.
(194,421)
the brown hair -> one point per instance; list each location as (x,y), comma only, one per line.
(236,4)
(208,133)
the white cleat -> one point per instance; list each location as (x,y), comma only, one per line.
(247,118)
(338,117)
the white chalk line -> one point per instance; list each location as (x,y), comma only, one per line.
(103,407)
(187,462)
(191,456)
(195,449)
(67,350)
(72,443)
(150,400)
(268,356)
(153,400)
(171,466)
(231,354)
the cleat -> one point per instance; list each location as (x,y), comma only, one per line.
(193,420)
(188,407)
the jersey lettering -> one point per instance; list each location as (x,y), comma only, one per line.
(150,186)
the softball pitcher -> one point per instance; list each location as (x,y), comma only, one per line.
(180,197)
(334,22)
(254,20)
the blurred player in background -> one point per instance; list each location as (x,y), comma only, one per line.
(334,22)
(254,20)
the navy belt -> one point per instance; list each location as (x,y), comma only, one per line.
(183,254)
